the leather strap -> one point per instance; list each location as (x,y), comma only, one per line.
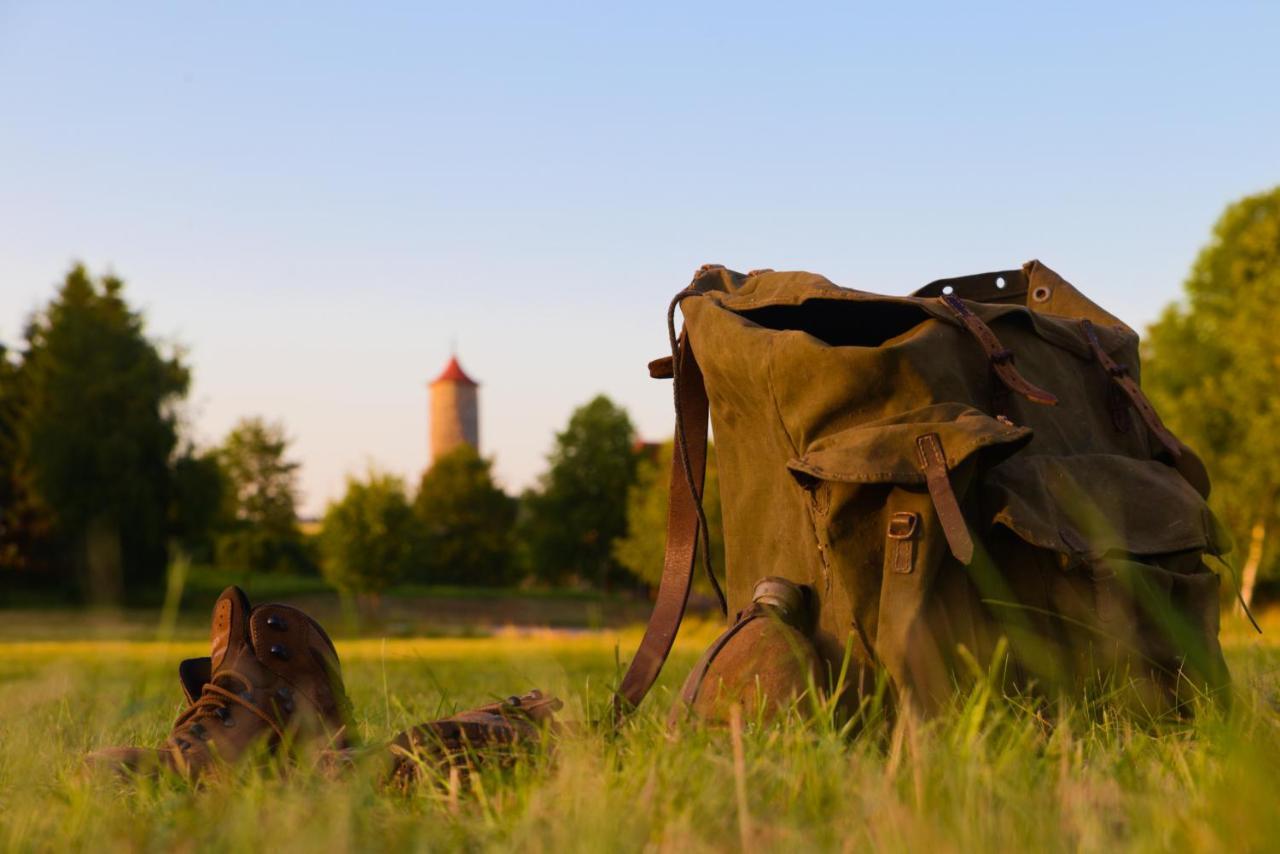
(934,462)
(1124,381)
(682,533)
(1001,357)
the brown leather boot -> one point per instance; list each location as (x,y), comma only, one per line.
(272,678)
(493,733)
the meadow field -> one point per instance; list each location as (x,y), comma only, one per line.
(991,775)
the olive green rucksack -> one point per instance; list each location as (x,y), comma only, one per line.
(940,472)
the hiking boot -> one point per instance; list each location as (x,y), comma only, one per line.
(495,733)
(272,680)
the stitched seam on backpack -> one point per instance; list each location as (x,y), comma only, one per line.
(811,501)
(811,507)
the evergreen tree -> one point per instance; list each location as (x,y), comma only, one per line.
(24,525)
(96,435)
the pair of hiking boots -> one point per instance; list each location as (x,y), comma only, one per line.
(272,682)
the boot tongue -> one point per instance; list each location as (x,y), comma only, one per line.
(230,632)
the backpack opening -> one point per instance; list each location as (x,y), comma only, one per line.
(842,323)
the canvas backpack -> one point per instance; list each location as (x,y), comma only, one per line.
(964,479)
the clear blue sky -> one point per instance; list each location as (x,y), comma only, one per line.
(315,199)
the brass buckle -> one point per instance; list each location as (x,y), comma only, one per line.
(902,525)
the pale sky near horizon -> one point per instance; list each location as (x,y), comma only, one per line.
(314,199)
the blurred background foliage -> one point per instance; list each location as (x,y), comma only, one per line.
(1212,369)
(102,492)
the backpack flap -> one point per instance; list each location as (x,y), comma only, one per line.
(922,446)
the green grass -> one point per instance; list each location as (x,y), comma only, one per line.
(988,775)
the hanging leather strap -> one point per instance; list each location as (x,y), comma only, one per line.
(682,528)
(934,462)
(1124,381)
(1000,356)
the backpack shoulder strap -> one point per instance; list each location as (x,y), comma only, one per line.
(682,527)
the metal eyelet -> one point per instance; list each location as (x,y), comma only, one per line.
(284,692)
(280,651)
(198,730)
(277,622)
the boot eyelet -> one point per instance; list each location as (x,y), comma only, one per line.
(198,730)
(277,622)
(280,651)
(284,692)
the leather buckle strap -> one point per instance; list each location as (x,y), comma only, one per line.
(933,460)
(1124,381)
(683,527)
(1001,357)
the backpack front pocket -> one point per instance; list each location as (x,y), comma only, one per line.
(1105,582)
(890,503)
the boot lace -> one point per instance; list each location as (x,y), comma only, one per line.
(217,700)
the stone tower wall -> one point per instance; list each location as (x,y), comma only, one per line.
(455,417)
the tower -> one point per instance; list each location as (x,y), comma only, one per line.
(454,410)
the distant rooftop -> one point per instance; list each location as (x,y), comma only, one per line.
(453,373)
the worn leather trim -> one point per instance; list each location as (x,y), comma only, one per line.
(1124,381)
(933,460)
(1001,357)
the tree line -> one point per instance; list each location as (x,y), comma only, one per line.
(100,485)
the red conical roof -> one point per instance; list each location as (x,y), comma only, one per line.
(453,373)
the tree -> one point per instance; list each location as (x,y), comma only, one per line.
(642,549)
(1212,367)
(261,500)
(24,525)
(571,522)
(199,498)
(466,521)
(367,541)
(96,435)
